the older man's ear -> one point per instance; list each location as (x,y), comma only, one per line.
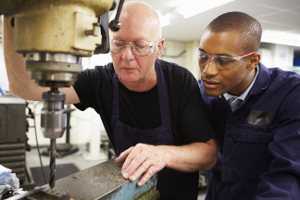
(161,47)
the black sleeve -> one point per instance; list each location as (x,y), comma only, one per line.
(85,87)
(192,121)
(94,89)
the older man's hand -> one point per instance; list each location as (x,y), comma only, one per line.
(141,162)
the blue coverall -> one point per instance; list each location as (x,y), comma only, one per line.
(259,156)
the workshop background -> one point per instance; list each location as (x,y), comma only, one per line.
(183,21)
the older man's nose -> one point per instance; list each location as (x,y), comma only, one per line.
(127,53)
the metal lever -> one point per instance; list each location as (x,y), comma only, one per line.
(114,25)
(104,47)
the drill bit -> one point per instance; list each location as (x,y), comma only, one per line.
(52,163)
(53,123)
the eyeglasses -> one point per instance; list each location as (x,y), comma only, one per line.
(222,61)
(139,47)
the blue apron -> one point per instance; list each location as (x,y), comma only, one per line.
(171,184)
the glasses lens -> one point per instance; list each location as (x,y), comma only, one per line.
(224,60)
(203,57)
(117,45)
(143,48)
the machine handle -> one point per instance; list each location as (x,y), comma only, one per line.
(104,47)
(114,25)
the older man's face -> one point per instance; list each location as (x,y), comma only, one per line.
(135,48)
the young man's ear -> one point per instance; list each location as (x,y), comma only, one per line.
(255,59)
(161,47)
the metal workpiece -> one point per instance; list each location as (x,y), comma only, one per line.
(101,182)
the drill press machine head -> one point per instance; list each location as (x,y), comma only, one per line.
(53,35)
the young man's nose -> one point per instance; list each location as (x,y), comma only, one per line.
(210,68)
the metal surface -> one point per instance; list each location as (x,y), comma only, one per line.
(52,164)
(101,182)
(55,25)
(53,116)
(53,68)
(115,25)
(53,35)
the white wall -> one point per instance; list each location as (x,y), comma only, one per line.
(174,53)
(96,60)
(274,55)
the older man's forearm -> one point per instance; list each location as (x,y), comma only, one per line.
(191,157)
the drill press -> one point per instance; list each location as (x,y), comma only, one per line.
(53,35)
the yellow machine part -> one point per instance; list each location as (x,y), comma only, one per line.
(56,26)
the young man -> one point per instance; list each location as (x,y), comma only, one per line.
(256,113)
(150,108)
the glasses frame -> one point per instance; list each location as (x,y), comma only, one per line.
(212,57)
(152,45)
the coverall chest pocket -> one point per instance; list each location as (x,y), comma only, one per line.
(246,154)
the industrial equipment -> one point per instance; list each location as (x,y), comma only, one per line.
(12,135)
(53,35)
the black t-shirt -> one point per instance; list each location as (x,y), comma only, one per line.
(141,109)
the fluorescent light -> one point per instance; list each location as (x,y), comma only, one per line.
(191,8)
(281,37)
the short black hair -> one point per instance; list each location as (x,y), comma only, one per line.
(249,28)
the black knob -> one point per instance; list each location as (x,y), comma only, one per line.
(114,25)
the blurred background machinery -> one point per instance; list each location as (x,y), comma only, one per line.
(12,135)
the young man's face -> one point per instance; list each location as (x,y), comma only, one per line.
(223,65)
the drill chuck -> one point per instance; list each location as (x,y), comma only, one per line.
(53,117)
